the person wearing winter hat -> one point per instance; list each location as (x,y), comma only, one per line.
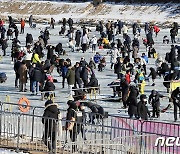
(49,86)
(154,100)
(142,109)
(73,127)
(49,120)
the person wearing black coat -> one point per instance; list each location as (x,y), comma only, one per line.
(36,77)
(78,80)
(16,32)
(64,22)
(83,62)
(50,118)
(132,102)
(142,109)
(46,37)
(78,38)
(93,81)
(3,31)
(59,48)
(49,86)
(50,52)
(97,111)
(164,69)
(176,101)
(118,68)
(150,40)
(29,39)
(154,100)
(70,22)
(4,46)
(30,21)
(134,26)
(72,114)
(125,90)
(173,35)
(172,54)
(84,75)
(38,49)
(153,74)
(17,65)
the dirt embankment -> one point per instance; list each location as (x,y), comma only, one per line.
(85,12)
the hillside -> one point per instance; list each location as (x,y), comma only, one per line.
(43,11)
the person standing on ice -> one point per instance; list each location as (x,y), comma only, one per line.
(125,89)
(78,38)
(22,26)
(84,42)
(156,30)
(94,43)
(142,108)
(154,100)
(30,21)
(17,65)
(176,101)
(132,101)
(36,77)
(22,71)
(70,79)
(173,35)
(114,54)
(153,74)
(134,26)
(118,68)
(124,31)
(52,23)
(50,119)
(146,28)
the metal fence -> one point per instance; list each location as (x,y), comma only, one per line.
(16,132)
(19,127)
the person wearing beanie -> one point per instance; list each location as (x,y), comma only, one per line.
(73,127)
(142,109)
(154,100)
(49,120)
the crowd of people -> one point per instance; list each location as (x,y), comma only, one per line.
(33,64)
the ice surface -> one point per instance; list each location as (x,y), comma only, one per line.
(105,77)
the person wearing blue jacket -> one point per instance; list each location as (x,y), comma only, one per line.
(64,70)
(97,57)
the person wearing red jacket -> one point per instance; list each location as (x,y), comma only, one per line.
(22,26)
(1,23)
(156,29)
(128,76)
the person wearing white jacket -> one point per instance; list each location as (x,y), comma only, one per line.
(124,30)
(28,56)
(94,42)
(114,54)
(84,42)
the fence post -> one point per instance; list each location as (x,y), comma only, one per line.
(142,122)
(102,135)
(55,144)
(1,118)
(18,134)
(32,136)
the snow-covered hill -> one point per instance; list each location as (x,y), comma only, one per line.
(44,10)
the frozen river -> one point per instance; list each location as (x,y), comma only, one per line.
(104,78)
